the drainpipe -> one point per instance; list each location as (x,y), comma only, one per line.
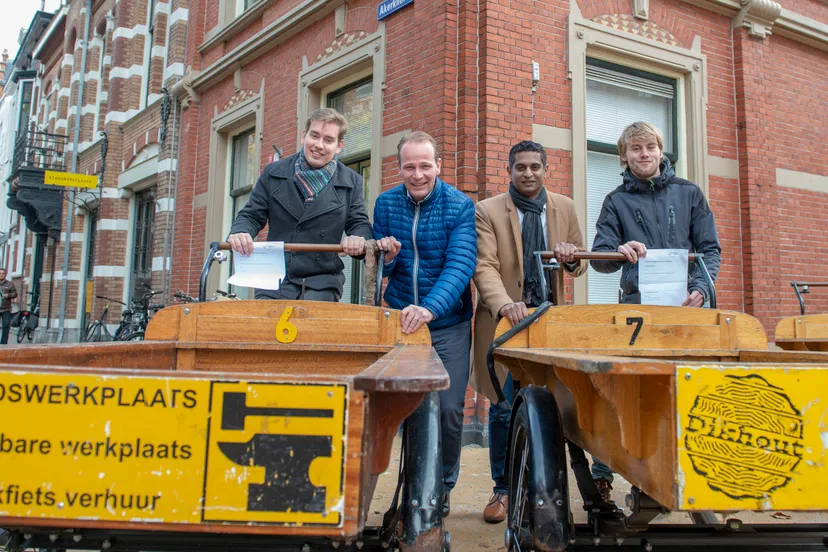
(70,212)
(171,193)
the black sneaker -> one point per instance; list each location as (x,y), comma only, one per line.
(446,505)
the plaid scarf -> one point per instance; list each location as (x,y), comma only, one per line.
(311,181)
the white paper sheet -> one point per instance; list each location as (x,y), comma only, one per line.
(263,269)
(662,277)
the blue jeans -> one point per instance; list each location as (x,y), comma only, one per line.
(453,346)
(500,416)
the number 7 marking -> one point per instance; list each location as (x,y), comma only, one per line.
(638,321)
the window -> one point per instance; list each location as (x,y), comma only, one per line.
(242,5)
(243,175)
(142,245)
(615,97)
(355,102)
(25,107)
(98,96)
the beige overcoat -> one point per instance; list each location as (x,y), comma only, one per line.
(499,273)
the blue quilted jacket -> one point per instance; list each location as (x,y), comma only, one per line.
(435,269)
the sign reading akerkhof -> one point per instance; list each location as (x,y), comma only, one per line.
(171,450)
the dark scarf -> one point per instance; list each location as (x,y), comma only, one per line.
(311,181)
(531,235)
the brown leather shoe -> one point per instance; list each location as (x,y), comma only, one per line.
(495,510)
(604,489)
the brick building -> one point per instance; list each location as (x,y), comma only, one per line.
(91,96)
(737,87)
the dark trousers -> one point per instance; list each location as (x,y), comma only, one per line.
(500,417)
(291,291)
(6,318)
(453,346)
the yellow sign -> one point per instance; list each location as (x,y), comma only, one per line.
(276,453)
(70,180)
(752,438)
(171,450)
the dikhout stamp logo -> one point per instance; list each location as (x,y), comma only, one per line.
(745,437)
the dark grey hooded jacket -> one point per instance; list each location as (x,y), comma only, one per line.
(665,212)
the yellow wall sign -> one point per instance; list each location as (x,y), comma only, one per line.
(171,450)
(752,438)
(70,180)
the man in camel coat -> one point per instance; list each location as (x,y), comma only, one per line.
(510,227)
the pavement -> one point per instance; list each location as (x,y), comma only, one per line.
(469,532)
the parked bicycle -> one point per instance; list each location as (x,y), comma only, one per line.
(135,320)
(28,319)
(183,297)
(97,330)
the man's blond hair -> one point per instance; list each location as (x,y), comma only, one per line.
(639,131)
(329,115)
(417,137)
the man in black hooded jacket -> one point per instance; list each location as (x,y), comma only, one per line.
(652,208)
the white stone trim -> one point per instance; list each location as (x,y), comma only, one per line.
(152,98)
(125,32)
(174,70)
(109,271)
(165,204)
(64,93)
(107,60)
(120,116)
(75,77)
(76,237)
(113,224)
(124,73)
(69,59)
(786,178)
(552,137)
(74,275)
(158,51)
(167,165)
(158,263)
(93,75)
(162,7)
(181,14)
(722,167)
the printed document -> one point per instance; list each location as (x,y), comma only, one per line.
(263,269)
(662,277)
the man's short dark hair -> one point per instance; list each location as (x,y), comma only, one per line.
(526,145)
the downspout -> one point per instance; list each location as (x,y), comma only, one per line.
(70,212)
(171,193)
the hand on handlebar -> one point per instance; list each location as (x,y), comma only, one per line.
(353,246)
(241,243)
(391,246)
(633,251)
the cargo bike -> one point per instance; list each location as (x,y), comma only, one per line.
(806,332)
(236,425)
(687,404)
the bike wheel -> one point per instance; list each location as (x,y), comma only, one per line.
(93,333)
(136,336)
(23,329)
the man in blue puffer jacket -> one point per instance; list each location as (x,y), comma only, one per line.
(429,268)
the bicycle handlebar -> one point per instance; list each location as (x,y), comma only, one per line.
(110,299)
(299,247)
(606,256)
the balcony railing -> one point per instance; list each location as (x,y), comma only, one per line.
(39,150)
